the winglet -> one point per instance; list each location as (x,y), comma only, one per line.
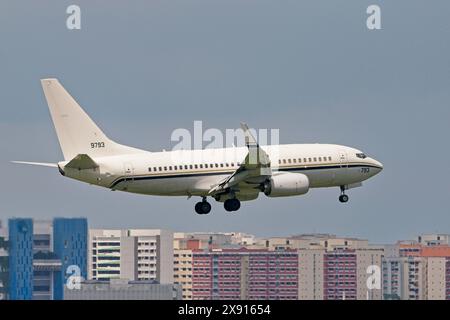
(249,138)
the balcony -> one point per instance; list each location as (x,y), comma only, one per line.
(47,265)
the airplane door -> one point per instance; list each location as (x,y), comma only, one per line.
(128,172)
(343,159)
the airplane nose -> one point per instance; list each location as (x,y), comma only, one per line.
(378,164)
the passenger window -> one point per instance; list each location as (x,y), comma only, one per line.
(195,166)
(329,158)
(315,159)
(190,166)
(221,165)
(154,168)
(284,161)
(279,161)
(320,159)
(294,160)
(299,160)
(185,167)
(289,160)
(160,168)
(232,164)
(226,164)
(206,165)
(165,168)
(149,169)
(309,159)
(170,167)
(201,166)
(304,160)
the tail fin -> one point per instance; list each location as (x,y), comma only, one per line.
(77,133)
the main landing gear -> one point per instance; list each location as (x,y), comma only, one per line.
(203,207)
(232,204)
(343,197)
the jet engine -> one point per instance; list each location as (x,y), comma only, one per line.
(285,184)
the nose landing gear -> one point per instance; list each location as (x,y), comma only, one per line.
(343,197)
(203,207)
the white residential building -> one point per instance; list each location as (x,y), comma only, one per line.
(132,254)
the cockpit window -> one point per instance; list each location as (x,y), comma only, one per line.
(361,155)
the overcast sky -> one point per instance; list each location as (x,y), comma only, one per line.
(310,68)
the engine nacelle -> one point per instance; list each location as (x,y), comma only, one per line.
(286,184)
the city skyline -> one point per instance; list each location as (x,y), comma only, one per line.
(39,260)
(236,230)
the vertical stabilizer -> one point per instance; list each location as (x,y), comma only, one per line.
(77,133)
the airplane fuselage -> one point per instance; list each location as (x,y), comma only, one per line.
(194,172)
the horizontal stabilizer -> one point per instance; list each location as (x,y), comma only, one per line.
(82,161)
(42,164)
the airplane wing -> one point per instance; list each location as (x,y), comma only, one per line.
(254,170)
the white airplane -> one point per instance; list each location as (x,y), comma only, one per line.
(229,175)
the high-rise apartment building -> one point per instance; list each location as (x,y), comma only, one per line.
(339,274)
(244,274)
(182,271)
(132,254)
(43,255)
(4,263)
(418,270)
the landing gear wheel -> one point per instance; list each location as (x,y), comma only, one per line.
(343,198)
(232,204)
(202,207)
